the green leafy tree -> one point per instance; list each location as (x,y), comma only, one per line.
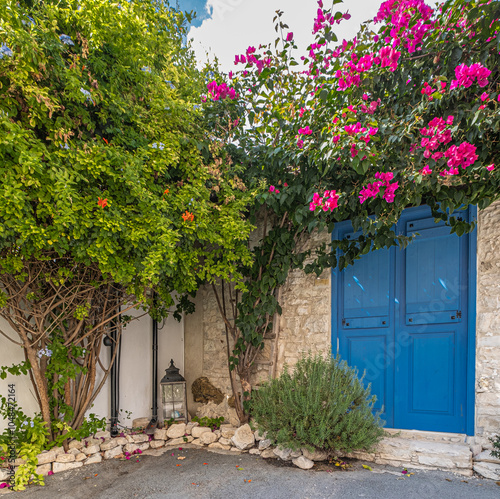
(405,114)
(109,177)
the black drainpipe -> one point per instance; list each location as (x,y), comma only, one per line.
(150,428)
(110,341)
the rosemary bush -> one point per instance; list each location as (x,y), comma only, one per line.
(322,404)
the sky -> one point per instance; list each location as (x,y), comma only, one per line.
(227,27)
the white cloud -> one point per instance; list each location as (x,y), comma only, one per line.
(237,24)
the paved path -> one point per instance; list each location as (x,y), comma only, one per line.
(223,477)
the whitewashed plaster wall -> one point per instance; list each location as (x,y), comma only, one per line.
(135,369)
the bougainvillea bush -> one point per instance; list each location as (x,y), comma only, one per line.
(406,113)
(111,185)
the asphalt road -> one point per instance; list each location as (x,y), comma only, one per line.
(204,474)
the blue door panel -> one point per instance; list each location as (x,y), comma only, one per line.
(369,355)
(402,319)
(432,373)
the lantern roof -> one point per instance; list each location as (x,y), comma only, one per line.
(172,374)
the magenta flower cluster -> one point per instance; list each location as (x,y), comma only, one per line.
(220,92)
(328,202)
(438,132)
(400,13)
(466,75)
(372,190)
(251,59)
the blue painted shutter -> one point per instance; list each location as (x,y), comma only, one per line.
(366,290)
(432,275)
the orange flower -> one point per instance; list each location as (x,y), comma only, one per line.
(105,140)
(166,191)
(102,203)
(187,217)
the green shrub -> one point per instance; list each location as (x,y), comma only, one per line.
(321,405)
(496,446)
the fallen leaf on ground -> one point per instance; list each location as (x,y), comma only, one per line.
(447,479)
(204,464)
(178,465)
(248,481)
(366,467)
(181,458)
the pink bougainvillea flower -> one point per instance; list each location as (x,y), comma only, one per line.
(289,37)
(50,473)
(305,131)
(484,96)
(3,485)
(426,170)
(491,167)
(272,188)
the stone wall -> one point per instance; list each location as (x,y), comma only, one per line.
(488,325)
(305,325)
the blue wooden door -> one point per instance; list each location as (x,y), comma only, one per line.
(402,318)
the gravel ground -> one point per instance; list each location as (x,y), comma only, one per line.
(205,474)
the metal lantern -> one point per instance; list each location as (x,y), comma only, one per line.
(173,395)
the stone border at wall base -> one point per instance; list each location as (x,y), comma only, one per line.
(393,451)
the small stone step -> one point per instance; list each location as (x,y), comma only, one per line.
(421,454)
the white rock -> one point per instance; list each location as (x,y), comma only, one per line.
(255,452)
(96,458)
(198,431)
(75,444)
(189,427)
(208,438)
(121,440)
(488,470)
(476,449)
(143,446)
(114,452)
(243,438)
(65,458)
(227,431)
(217,445)
(317,455)
(260,436)
(102,434)
(74,451)
(486,457)
(197,441)
(264,444)
(160,434)
(109,444)
(224,441)
(284,454)
(140,422)
(58,467)
(180,440)
(4,475)
(268,454)
(130,448)
(46,457)
(140,438)
(59,450)
(177,430)
(156,444)
(91,449)
(303,463)
(80,457)
(44,469)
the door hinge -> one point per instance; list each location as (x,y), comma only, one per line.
(343,322)
(459,314)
